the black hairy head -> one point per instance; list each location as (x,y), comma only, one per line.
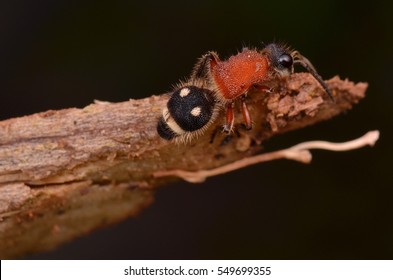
(279,56)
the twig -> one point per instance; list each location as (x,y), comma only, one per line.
(62,173)
(367,139)
(299,152)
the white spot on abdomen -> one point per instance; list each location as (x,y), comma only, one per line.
(196,111)
(184,92)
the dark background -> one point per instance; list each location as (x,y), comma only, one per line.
(60,54)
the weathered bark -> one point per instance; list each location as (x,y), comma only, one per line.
(65,173)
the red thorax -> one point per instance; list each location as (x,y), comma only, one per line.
(235,76)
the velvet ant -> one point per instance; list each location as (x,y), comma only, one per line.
(215,83)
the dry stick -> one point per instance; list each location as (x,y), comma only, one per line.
(298,152)
(66,173)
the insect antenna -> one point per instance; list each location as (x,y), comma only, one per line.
(303,61)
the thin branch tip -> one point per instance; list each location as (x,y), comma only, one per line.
(372,137)
(300,152)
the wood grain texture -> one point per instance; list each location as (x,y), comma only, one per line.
(65,173)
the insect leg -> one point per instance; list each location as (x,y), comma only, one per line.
(204,64)
(230,118)
(246,114)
